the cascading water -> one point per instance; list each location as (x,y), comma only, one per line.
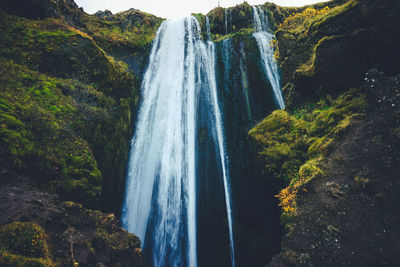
(160,200)
(208,28)
(227,18)
(264,39)
(226,21)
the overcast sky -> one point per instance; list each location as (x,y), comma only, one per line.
(173,9)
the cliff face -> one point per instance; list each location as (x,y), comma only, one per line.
(333,151)
(68,98)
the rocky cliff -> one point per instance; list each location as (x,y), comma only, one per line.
(68,98)
(314,184)
(334,150)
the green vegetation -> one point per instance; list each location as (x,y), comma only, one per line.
(52,47)
(294,144)
(243,31)
(302,19)
(106,232)
(66,105)
(242,20)
(24,244)
(127,30)
(36,119)
(302,25)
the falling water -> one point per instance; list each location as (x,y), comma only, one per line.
(160,200)
(208,28)
(227,18)
(221,147)
(226,21)
(245,86)
(264,39)
(230,18)
(226,58)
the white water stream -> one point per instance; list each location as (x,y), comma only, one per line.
(160,199)
(264,39)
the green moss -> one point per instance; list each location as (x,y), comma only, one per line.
(309,171)
(24,244)
(242,19)
(9,259)
(293,144)
(35,126)
(319,146)
(131,29)
(24,238)
(114,239)
(67,99)
(315,23)
(53,47)
(244,31)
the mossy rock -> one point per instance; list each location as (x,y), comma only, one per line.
(24,244)
(293,144)
(346,41)
(9,259)
(67,134)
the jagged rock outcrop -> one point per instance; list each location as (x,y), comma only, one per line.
(106,14)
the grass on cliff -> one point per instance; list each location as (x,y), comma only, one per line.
(293,144)
(24,244)
(303,23)
(53,47)
(131,29)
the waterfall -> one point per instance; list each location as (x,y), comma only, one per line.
(227,17)
(226,21)
(264,39)
(208,28)
(244,83)
(230,18)
(226,57)
(160,198)
(223,156)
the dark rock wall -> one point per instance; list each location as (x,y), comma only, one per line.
(344,205)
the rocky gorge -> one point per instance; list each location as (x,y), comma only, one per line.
(313,184)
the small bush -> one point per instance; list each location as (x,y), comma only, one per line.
(24,238)
(296,20)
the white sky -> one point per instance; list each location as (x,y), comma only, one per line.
(173,9)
